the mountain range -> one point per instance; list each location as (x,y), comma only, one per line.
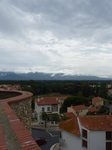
(46,76)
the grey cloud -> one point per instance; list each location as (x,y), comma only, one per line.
(56,34)
(73,19)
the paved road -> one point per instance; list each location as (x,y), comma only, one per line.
(52,137)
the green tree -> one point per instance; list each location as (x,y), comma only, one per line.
(55,117)
(74,100)
(45,117)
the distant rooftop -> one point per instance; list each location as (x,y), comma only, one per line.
(49,100)
(79,107)
(92,109)
(97,99)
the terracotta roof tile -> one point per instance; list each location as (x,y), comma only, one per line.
(96,99)
(71,126)
(70,114)
(2,140)
(96,122)
(79,107)
(92,109)
(24,137)
(49,100)
(46,101)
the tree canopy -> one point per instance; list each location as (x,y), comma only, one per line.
(74,100)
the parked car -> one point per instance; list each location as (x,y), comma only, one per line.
(40,141)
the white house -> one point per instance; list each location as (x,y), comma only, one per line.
(50,105)
(87,133)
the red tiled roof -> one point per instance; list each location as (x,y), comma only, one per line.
(49,100)
(70,126)
(62,97)
(79,107)
(96,122)
(92,109)
(70,114)
(96,99)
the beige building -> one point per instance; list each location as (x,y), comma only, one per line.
(97,101)
(79,110)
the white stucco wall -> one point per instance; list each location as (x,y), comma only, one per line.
(70,109)
(72,142)
(96,140)
(38,109)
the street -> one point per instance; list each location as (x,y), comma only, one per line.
(51,136)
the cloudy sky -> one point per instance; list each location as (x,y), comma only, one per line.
(56,36)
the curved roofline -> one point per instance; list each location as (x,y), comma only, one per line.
(24,137)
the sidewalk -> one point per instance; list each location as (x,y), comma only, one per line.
(42,127)
(56,146)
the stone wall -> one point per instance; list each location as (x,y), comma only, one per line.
(23,111)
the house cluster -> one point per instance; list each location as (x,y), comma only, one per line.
(10,87)
(84,132)
(50,105)
(87,133)
(80,132)
(82,110)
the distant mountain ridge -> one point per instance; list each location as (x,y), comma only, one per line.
(46,76)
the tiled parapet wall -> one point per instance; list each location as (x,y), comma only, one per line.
(22,107)
(23,111)
(12,129)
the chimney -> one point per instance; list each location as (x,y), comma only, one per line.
(38,99)
(56,98)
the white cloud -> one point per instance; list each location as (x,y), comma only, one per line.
(68,36)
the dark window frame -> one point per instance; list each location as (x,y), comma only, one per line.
(84,143)
(43,109)
(108,145)
(48,108)
(84,133)
(108,135)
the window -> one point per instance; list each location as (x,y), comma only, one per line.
(108,135)
(48,108)
(84,143)
(84,133)
(54,108)
(42,109)
(108,146)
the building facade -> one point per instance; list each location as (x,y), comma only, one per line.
(50,105)
(87,133)
(79,110)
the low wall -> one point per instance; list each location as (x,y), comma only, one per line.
(23,111)
(17,109)
(22,108)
